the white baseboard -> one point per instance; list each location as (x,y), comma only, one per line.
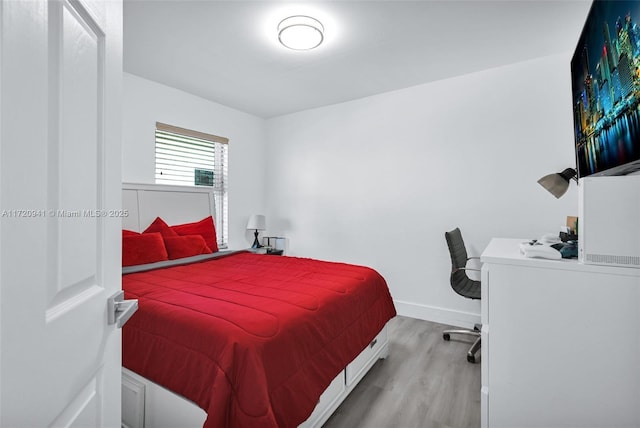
(435,314)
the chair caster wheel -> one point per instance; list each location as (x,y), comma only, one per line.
(471,358)
(446,336)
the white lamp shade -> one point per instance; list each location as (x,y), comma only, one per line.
(257,222)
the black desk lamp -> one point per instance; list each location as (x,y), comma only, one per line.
(558,183)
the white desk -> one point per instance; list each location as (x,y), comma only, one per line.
(560,342)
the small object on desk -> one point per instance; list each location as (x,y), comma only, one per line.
(274,251)
(568,250)
(537,249)
(549,239)
(567,236)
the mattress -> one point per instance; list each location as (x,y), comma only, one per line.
(253,340)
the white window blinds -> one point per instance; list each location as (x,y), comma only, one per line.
(191,158)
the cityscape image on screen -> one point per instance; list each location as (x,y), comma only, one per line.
(605,73)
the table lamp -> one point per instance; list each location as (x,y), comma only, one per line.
(256,222)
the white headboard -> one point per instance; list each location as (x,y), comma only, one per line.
(175,204)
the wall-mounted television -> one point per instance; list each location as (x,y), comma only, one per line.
(605,73)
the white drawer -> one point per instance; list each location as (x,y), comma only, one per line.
(327,399)
(364,360)
(132,402)
(484,407)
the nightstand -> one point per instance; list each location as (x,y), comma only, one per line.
(266,251)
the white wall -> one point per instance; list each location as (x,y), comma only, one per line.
(146,102)
(377,181)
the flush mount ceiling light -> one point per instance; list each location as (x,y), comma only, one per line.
(300,32)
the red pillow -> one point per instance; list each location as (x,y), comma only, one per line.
(143,248)
(185,246)
(204,228)
(161,227)
(126,232)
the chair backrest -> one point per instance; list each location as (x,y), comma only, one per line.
(457,250)
(460,282)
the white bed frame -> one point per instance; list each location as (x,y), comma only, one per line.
(146,404)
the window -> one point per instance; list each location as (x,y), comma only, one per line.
(191,158)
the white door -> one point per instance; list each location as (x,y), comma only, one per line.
(60,87)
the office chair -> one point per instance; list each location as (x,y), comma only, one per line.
(463,285)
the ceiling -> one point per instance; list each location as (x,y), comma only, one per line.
(227,51)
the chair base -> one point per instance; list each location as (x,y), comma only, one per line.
(471,355)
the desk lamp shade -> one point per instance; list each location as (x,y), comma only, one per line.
(558,183)
(256,222)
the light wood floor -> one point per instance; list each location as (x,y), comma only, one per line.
(424,383)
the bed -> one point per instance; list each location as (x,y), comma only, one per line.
(237,339)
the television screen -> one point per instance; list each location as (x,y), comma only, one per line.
(605,73)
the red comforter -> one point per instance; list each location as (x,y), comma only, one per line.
(252,339)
